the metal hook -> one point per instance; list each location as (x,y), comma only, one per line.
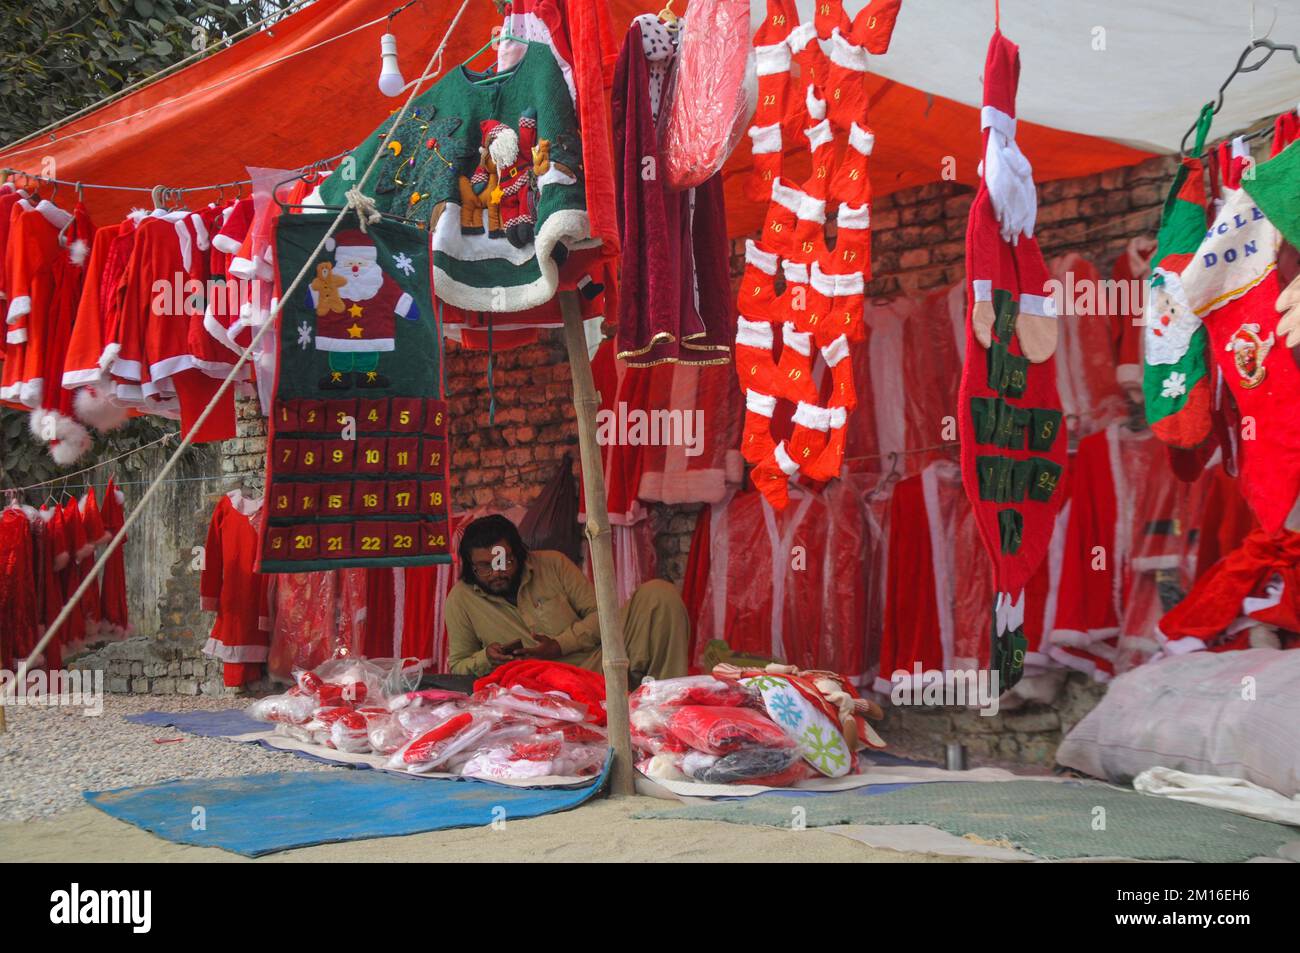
(1269,31)
(81,192)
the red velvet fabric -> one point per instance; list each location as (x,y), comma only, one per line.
(578,683)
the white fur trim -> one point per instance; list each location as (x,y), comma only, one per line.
(1129,374)
(350,344)
(862,140)
(795,272)
(816,104)
(801,341)
(845,54)
(241,654)
(78,251)
(764,261)
(822,283)
(772,59)
(850,216)
(766,139)
(849,285)
(753,334)
(762,404)
(94,406)
(53,214)
(994,118)
(17,336)
(839,416)
(819,135)
(801,36)
(201,236)
(788,466)
(555,175)
(982,289)
(836,351)
(811,416)
(225,244)
(812,210)
(1041,305)
(788,198)
(18,307)
(109,357)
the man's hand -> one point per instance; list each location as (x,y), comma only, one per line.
(546,648)
(498,653)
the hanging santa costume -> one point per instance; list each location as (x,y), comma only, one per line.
(1012,448)
(116,621)
(230,587)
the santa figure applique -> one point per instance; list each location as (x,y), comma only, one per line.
(357,305)
(502,182)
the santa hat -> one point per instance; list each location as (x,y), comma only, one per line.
(501,142)
(1001,78)
(352,243)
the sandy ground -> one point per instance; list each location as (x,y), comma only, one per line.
(600,830)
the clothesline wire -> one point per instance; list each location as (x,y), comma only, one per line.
(203,89)
(143,188)
(155,76)
(94,466)
(355,199)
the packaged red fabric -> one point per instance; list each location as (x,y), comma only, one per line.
(579,684)
(719,730)
(690,690)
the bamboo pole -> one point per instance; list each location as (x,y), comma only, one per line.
(612,650)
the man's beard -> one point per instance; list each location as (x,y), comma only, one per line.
(507,586)
(362,286)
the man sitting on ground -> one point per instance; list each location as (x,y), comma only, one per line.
(511,603)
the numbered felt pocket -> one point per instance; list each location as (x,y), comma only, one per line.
(433,497)
(340,456)
(1015,375)
(1045,425)
(404,497)
(286,416)
(284,457)
(369,497)
(336,541)
(280,499)
(372,416)
(1022,472)
(311,416)
(435,540)
(370,540)
(433,457)
(994,477)
(404,455)
(1042,484)
(303,540)
(306,499)
(277,543)
(406,415)
(984,418)
(310,459)
(404,538)
(339,414)
(435,419)
(1011,527)
(335,499)
(371,455)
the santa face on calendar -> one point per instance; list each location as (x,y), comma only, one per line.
(357,304)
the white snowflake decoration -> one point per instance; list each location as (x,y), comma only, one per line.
(402,262)
(1175,385)
(304,335)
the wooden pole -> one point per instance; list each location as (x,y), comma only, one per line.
(612,650)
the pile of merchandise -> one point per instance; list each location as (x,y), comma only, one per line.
(500,732)
(773,727)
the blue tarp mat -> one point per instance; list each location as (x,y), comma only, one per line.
(206,724)
(265,813)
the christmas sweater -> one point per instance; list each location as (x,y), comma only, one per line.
(493,164)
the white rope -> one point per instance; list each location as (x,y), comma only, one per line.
(194,92)
(154,77)
(73,601)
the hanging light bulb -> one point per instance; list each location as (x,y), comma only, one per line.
(390,75)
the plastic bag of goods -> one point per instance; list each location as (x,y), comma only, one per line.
(717,730)
(428,751)
(711,92)
(691,690)
(427,698)
(350,733)
(286,709)
(386,734)
(519,700)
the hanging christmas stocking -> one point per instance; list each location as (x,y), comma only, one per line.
(843,391)
(847,310)
(765,146)
(873,27)
(792,304)
(794,369)
(850,185)
(754,363)
(821,296)
(782,214)
(808,56)
(756,442)
(829,16)
(827,465)
(821,143)
(772,65)
(808,439)
(781,17)
(809,230)
(772,477)
(757,295)
(846,83)
(852,253)
(1175,382)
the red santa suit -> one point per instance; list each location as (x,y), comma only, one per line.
(96,535)
(18,590)
(112,584)
(1086,374)
(230,587)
